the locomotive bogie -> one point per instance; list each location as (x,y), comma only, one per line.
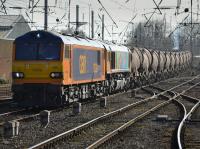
(37,94)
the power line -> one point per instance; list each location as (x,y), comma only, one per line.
(105,26)
(153,13)
(3,5)
(126,27)
(121,5)
(107,13)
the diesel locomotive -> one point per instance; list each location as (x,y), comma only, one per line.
(51,69)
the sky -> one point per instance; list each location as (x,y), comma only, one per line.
(121,11)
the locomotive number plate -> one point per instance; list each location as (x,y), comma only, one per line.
(82,64)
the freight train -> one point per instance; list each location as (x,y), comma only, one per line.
(53,69)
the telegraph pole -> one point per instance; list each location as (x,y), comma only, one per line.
(32,7)
(92,21)
(3,6)
(45,14)
(69,14)
(112,33)
(32,11)
(103,25)
(77,17)
(89,19)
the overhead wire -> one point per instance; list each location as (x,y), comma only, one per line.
(107,13)
(153,13)
(126,27)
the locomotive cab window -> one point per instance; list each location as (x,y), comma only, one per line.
(49,51)
(37,51)
(26,51)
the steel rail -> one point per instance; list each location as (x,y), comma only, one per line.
(174,93)
(182,94)
(22,118)
(50,141)
(126,125)
(89,123)
(187,115)
(183,122)
(131,122)
(12,112)
(170,90)
(190,97)
(35,115)
(27,117)
(183,106)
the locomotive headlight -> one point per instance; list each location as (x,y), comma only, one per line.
(18,75)
(56,75)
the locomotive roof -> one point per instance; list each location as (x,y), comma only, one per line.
(79,41)
(93,43)
(56,37)
(114,47)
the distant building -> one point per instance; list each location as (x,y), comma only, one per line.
(12,26)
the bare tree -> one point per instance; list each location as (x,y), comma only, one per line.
(152,36)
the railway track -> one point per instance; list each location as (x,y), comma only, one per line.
(187,101)
(128,124)
(23,114)
(18,115)
(33,128)
(150,132)
(99,124)
(26,114)
(189,129)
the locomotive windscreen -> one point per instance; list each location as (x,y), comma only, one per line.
(37,51)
